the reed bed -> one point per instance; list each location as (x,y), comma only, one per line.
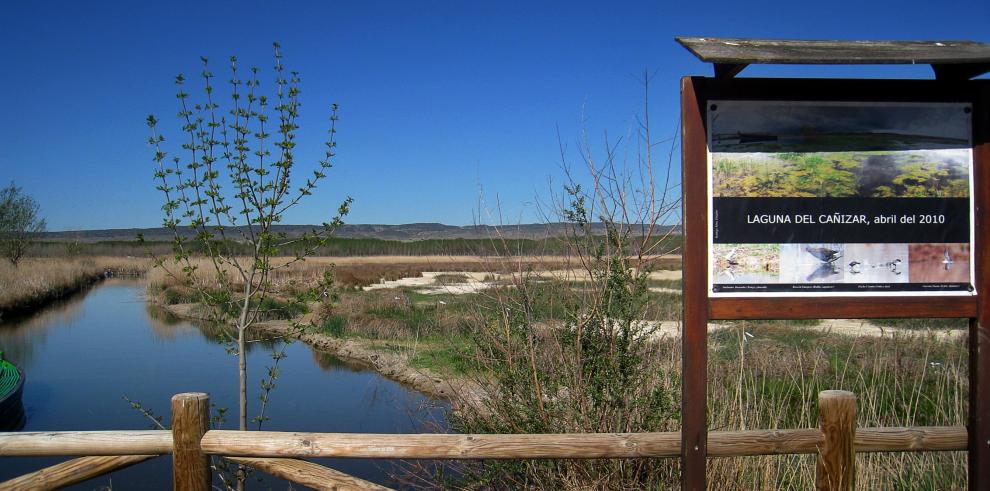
(769,377)
(351,272)
(36,281)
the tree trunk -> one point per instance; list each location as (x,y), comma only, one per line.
(242,373)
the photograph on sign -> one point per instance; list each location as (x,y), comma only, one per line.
(820,198)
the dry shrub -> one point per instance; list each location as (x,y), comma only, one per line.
(558,359)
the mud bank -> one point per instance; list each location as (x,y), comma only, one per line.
(390,365)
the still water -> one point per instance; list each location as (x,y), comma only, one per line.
(83,356)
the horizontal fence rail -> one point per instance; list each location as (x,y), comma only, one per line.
(77,443)
(836,442)
(72,472)
(308,474)
(567,445)
(459,446)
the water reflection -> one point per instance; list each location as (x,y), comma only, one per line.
(166,326)
(331,363)
(82,356)
(22,334)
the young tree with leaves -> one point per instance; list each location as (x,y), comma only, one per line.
(233,181)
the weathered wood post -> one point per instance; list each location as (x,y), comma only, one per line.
(837,455)
(190,421)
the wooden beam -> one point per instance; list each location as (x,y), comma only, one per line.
(979,325)
(308,474)
(772,51)
(71,472)
(50,443)
(728,70)
(566,445)
(440,446)
(742,308)
(913,439)
(694,263)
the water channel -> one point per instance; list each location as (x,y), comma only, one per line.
(82,356)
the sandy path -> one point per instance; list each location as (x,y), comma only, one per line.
(845,327)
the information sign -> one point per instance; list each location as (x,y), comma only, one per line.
(811,198)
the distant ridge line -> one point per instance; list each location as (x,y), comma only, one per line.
(403,232)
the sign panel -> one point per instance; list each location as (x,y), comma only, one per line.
(839,198)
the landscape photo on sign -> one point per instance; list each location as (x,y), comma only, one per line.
(851,196)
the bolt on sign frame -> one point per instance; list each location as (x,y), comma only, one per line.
(700,305)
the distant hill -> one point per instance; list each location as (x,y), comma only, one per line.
(406,232)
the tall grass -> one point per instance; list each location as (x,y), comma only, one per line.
(35,281)
(363,270)
(771,377)
(767,379)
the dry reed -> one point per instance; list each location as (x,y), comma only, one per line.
(35,280)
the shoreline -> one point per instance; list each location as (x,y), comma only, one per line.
(36,283)
(457,391)
(26,306)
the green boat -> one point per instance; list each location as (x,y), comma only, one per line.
(12,416)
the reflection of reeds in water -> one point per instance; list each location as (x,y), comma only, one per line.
(168,327)
(330,363)
(19,335)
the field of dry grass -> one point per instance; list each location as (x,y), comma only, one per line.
(37,280)
(360,271)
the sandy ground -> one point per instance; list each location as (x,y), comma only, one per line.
(428,284)
(845,327)
(348,260)
(478,281)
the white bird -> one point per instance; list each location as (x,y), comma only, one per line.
(947,262)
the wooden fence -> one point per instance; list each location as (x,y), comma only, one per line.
(191,444)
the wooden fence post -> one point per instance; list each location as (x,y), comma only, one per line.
(836,468)
(190,421)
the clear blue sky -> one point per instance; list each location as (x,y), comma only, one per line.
(439,99)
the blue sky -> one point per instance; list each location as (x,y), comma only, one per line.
(441,101)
